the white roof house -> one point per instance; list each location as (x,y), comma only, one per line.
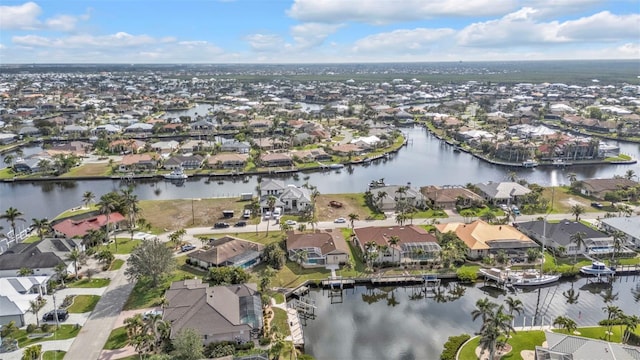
(366,141)
(628,225)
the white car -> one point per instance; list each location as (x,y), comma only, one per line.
(291,222)
(340,220)
(150,313)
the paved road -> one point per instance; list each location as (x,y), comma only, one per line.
(89,342)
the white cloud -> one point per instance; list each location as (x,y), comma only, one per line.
(120,39)
(308,35)
(387,11)
(520,28)
(556,8)
(413,41)
(265,42)
(20,17)
(62,22)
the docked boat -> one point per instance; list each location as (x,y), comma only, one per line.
(597,268)
(561,162)
(498,275)
(529,164)
(336,166)
(377,184)
(533,277)
(176,174)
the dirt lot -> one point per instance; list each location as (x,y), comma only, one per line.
(563,200)
(176,214)
(351,203)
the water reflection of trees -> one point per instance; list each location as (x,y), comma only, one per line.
(636,293)
(48,186)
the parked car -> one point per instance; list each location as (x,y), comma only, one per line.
(186,248)
(240,224)
(597,205)
(150,313)
(246,214)
(340,220)
(504,207)
(50,316)
(291,222)
(221,225)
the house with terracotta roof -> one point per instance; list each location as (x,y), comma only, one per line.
(227,160)
(276,159)
(598,188)
(79,228)
(445,197)
(413,243)
(483,239)
(127,146)
(228,251)
(319,248)
(138,162)
(218,313)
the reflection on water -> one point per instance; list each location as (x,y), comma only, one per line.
(409,323)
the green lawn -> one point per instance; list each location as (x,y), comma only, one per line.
(76,211)
(280,320)
(63,333)
(599,332)
(89,283)
(275,235)
(125,245)
(83,303)
(144,295)
(116,264)
(117,339)
(279,298)
(468,351)
(53,355)
(429,214)
(523,340)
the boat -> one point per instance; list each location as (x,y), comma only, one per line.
(533,277)
(336,166)
(597,268)
(498,275)
(560,162)
(529,164)
(176,174)
(377,184)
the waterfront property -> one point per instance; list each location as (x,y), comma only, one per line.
(483,239)
(290,197)
(559,235)
(392,197)
(218,313)
(598,188)
(563,346)
(502,192)
(79,228)
(448,197)
(227,251)
(629,226)
(397,244)
(319,248)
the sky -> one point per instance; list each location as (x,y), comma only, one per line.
(316,31)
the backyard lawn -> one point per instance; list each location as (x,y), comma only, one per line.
(351,203)
(83,303)
(280,321)
(89,283)
(522,340)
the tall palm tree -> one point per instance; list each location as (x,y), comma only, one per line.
(613,312)
(393,241)
(106,206)
(11,215)
(577,210)
(77,257)
(42,226)
(618,239)
(578,239)
(271,203)
(352,218)
(87,198)
(61,272)
(495,325)
(565,323)
(631,322)
(35,306)
(484,308)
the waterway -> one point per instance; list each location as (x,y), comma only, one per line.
(425,160)
(394,323)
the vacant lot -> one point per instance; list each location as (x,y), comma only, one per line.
(351,203)
(563,200)
(89,170)
(169,215)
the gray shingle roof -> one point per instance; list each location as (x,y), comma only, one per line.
(560,232)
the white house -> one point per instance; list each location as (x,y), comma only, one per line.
(366,142)
(630,226)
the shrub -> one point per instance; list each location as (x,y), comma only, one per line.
(45,327)
(467,274)
(245,346)
(452,345)
(264,341)
(31,328)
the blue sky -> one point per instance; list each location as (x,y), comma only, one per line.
(310,31)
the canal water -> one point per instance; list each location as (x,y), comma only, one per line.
(397,323)
(425,160)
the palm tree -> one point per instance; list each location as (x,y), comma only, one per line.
(106,206)
(61,272)
(618,238)
(613,312)
(271,203)
(494,326)
(25,271)
(77,257)
(352,218)
(33,352)
(35,306)
(393,241)
(42,226)
(630,174)
(11,215)
(514,305)
(578,239)
(255,212)
(631,322)
(577,210)
(87,198)
(565,323)
(484,308)
(130,203)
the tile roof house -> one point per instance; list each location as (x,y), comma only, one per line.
(411,238)
(320,248)
(562,346)
(219,313)
(138,162)
(630,226)
(483,239)
(78,228)
(227,160)
(502,192)
(276,159)
(598,188)
(448,197)
(187,162)
(228,251)
(235,146)
(558,234)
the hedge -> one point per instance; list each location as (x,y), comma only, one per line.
(452,345)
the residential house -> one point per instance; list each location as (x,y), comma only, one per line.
(276,159)
(227,161)
(16,293)
(392,198)
(138,162)
(320,248)
(557,236)
(11,311)
(139,128)
(598,188)
(241,147)
(483,239)
(312,155)
(165,147)
(126,146)
(502,192)
(629,226)
(366,142)
(347,149)
(187,162)
(228,251)
(31,164)
(414,243)
(41,263)
(568,347)
(191,146)
(7,138)
(71,228)
(448,198)
(295,199)
(272,187)
(78,148)
(218,313)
